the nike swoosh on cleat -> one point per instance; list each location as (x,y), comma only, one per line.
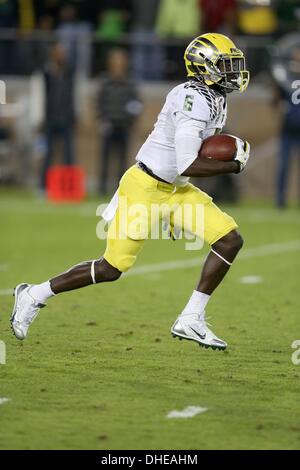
(198,334)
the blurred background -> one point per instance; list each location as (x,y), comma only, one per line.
(82,83)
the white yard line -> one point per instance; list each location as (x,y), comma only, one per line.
(263,250)
(270,249)
(6,291)
(188,412)
(251,279)
(4,400)
(254,215)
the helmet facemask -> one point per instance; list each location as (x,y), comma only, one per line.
(227,70)
(233,73)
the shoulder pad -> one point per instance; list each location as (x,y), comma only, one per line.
(210,96)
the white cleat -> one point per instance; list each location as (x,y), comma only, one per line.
(194,327)
(25,310)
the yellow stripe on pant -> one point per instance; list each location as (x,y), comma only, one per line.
(139,192)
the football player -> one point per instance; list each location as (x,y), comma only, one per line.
(193,111)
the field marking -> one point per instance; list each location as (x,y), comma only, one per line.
(250,279)
(2,353)
(263,250)
(188,412)
(6,292)
(3,267)
(255,215)
(4,400)
(264,215)
(248,253)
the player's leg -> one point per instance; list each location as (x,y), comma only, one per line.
(218,261)
(121,253)
(119,256)
(122,146)
(283,168)
(50,138)
(29,299)
(68,144)
(220,232)
(84,274)
(107,141)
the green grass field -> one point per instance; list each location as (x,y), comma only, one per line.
(100,370)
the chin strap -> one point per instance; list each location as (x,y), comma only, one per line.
(93,271)
(221,257)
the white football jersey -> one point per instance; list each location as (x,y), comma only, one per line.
(192,112)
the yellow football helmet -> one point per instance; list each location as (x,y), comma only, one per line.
(215,59)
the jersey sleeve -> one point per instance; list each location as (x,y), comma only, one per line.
(191,115)
(188,140)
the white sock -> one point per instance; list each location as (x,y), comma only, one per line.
(41,292)
(196,304)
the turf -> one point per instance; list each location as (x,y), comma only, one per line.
(100,369)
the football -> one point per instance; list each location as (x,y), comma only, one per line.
(219,146)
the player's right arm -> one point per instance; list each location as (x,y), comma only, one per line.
(191,119)
(209,167)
